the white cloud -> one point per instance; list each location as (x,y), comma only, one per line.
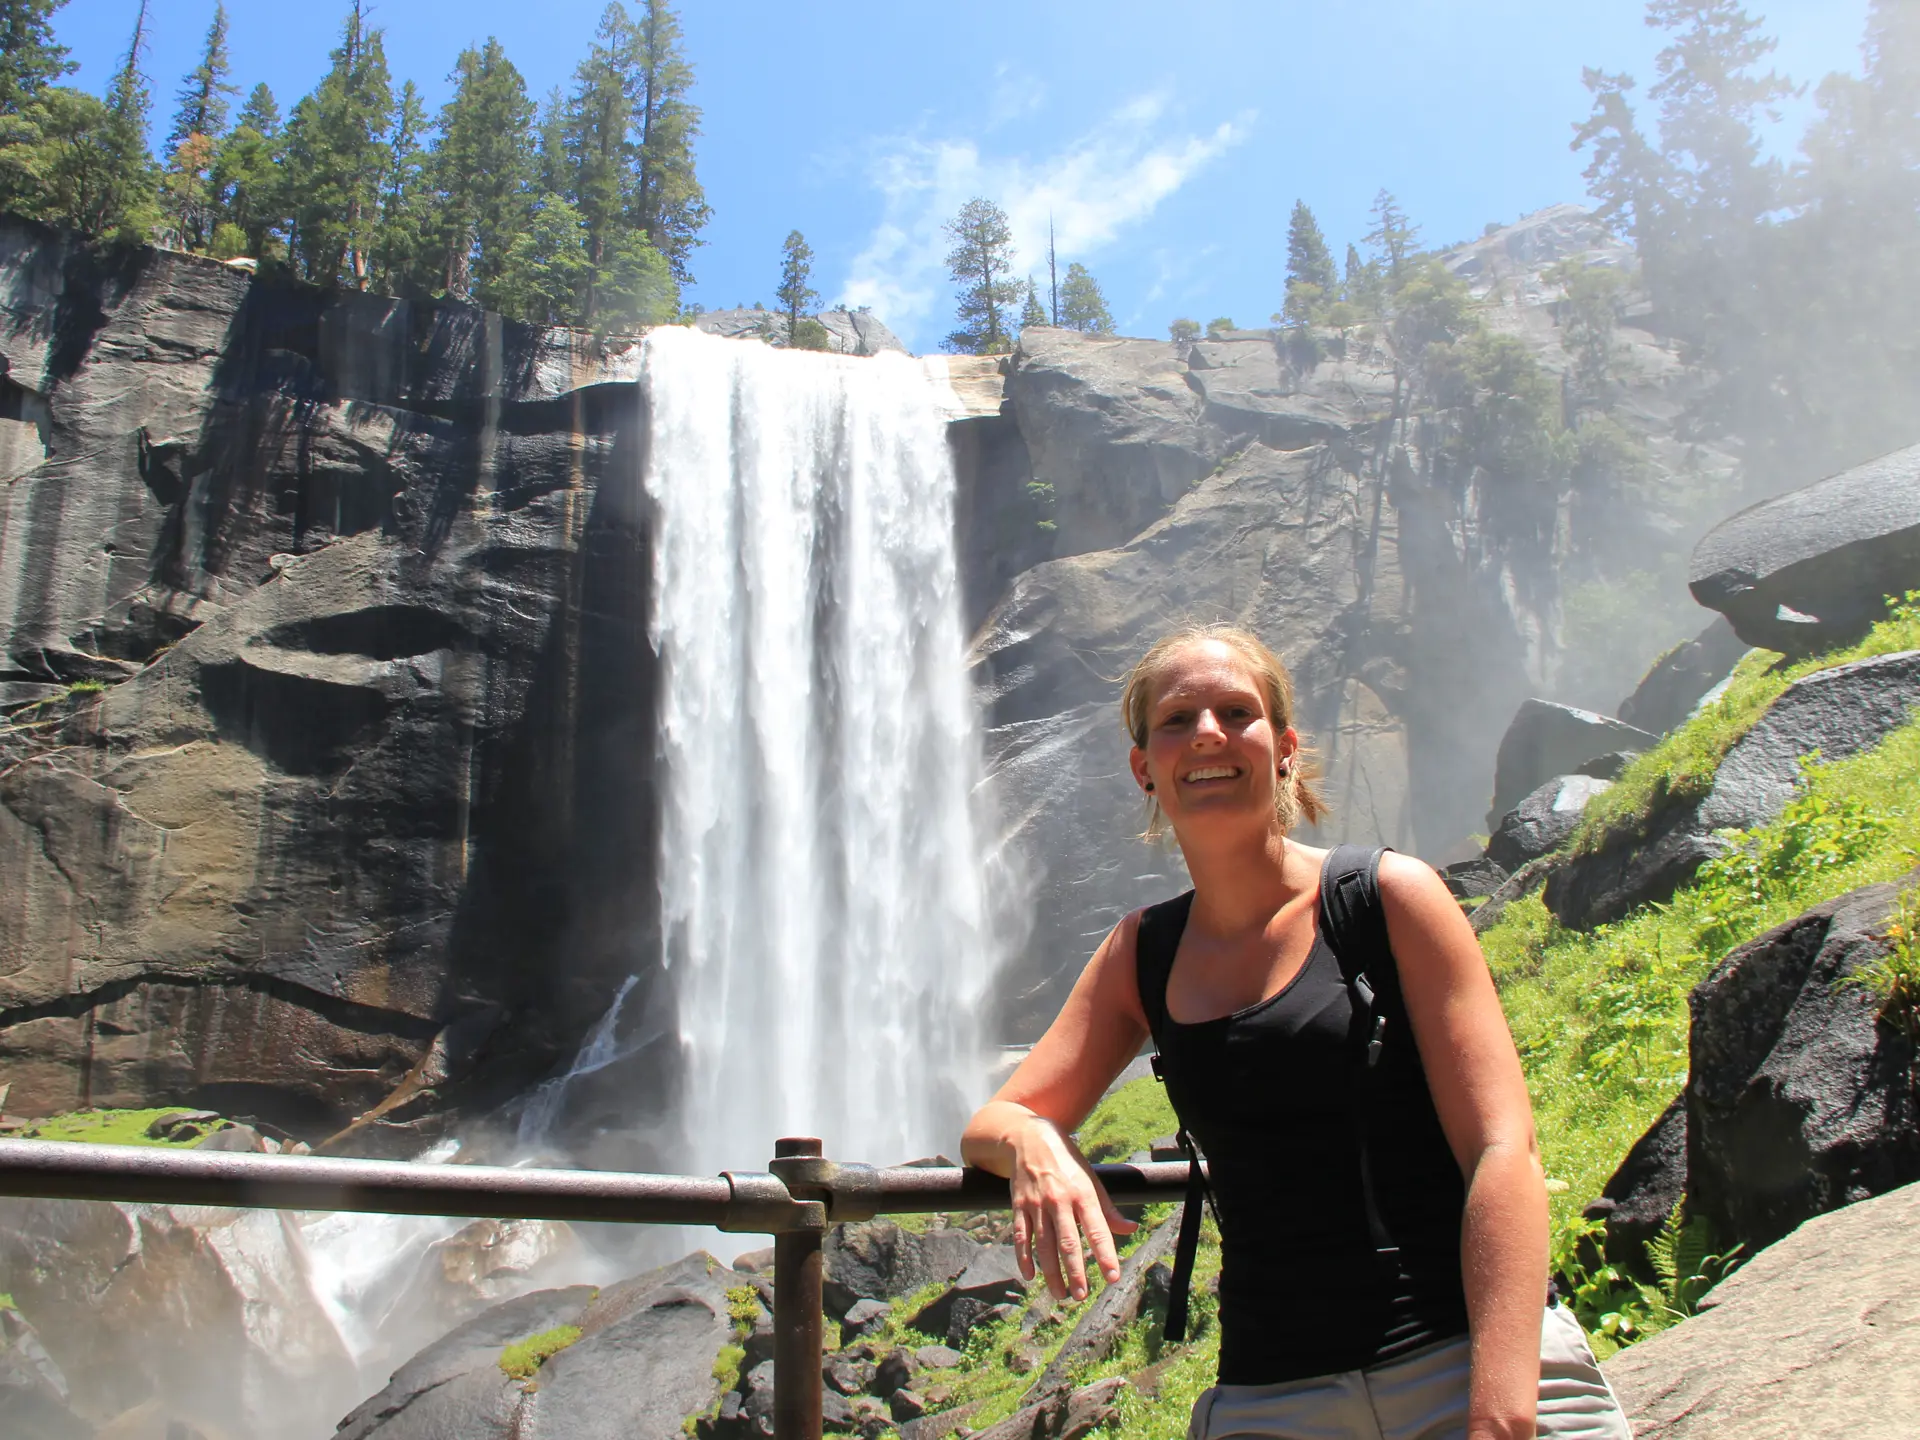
(1109,179)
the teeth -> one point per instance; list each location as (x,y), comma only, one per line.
(1212,772)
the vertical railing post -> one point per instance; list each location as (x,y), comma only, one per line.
(798,1306)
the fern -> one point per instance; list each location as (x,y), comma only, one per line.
(1685,1265)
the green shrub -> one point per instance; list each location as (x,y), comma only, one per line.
(523,1359)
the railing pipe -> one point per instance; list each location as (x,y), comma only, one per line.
(802,1195)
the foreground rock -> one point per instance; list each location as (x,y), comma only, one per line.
(1800,1097)
(642,1365)
(1838,712)
(1817,1335)
(879,1260)
(1811,569)
(213,1313)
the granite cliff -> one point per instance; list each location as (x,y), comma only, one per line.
(325,789)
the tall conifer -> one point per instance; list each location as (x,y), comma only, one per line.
(483,167)
(336,156)
(29,57)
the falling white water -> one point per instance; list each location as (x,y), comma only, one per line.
(599,1050)
(821,885)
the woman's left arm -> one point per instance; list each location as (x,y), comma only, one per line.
(1478,1089)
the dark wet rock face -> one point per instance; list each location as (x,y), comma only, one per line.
(1540,823)
(1811,569)
(1801,1098)
(1641,1193)
(374,637)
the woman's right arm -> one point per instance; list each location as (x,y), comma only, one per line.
(1023,1131)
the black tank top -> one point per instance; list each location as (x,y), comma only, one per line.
(1273,1094)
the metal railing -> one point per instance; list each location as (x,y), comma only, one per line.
(795,1199)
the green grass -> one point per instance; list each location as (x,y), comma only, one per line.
(1128,1121)
(1601,1018)
(1682,766)
(523,1359)
(110,1127)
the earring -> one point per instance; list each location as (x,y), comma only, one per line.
(1286,769)
(1149,787)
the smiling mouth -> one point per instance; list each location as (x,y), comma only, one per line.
(1211,772)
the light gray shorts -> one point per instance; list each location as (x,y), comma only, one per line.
(1421,1397)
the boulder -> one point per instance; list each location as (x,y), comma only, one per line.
(1811,569)
(861,1318)
(1476,878)
(1682,677)
(1799,1098)
(1838,712)
(991,1278)
(34,1394)
(642,1366)
(1543,821)
(1818,1334)
(1065,1415)
(1641,1193)
(213,1312)
(1547,739)
(880,1260)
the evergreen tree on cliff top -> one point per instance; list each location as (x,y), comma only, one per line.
(407,259)
(482,169)
(981,263)
(1311,281)
(1032,312)
(246,175)
(30,60)
(1083,305)
(336,156)
(797,295)
(628,282)
(670,205)
(199,122)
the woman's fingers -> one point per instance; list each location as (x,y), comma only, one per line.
(1072,1259)
(1023,1229)
(1047,1252)
(1099,1236)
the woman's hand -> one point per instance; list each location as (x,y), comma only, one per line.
(1022,1132)
(1056,1201)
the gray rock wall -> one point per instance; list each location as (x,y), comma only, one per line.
(365,805)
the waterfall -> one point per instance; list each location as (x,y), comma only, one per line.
(823,911)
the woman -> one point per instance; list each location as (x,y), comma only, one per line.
(1383,1222)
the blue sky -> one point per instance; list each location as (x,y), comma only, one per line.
(1168,141)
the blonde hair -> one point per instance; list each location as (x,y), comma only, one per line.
(1295,797)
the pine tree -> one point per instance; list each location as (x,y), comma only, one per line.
(30,59)
(123,199)
(981,263)
(796,295)
(482,168)
(404,254)
(545,268)
(1033,312)
(1393,237)
(246,177)
(1083,306)
(1311,282)
(669,204)
(1184,330)
(595,127)
(199,123)
(336,156)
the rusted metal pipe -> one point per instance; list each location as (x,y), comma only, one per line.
(50,1169)
(798,1302)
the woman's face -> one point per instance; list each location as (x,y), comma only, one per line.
(1212,754)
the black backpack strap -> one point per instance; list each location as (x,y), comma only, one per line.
(1354,924)
(1156,943)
